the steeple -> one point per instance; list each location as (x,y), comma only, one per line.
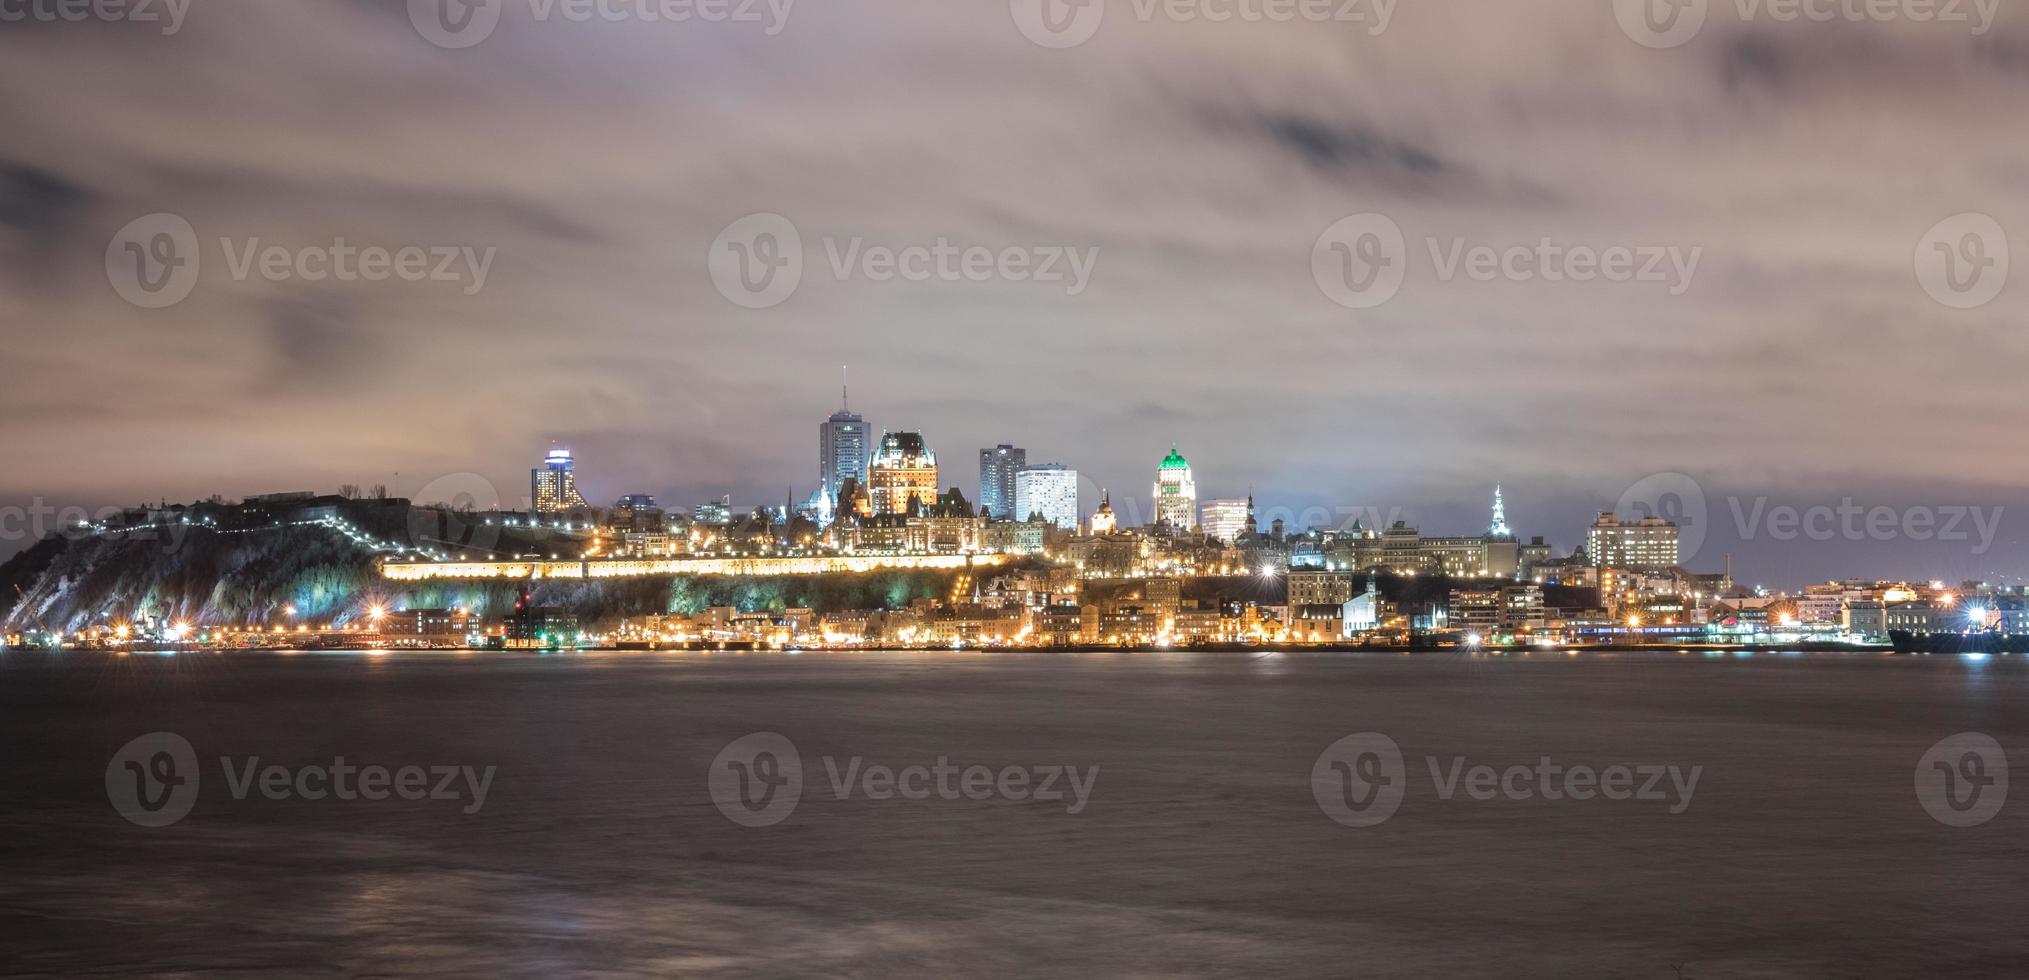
(1499,529)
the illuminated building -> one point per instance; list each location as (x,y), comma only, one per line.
(904,470)
(843,446)
(715,513)
(554,486)
(1176,494)
(1310,587)
(997,469)
(1648,545)
(1103,519)
(1048,489)
(1498,529)
(1225,519)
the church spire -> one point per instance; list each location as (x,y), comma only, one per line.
(1498,529)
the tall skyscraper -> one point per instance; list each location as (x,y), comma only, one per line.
(997,468)
(903,470)
(1176,494)
(553,487)
(1225,519)
(844,447)
(1048,489)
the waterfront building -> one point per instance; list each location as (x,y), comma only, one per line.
(1176,494)
(1475,610)
(1226,519)
(997,469)
(1649,544)
(1048,489)
(902,471)
(553,486)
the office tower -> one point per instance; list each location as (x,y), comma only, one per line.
(1225,519)
(844,444)
(1648,545)
(1176,494)
(1048,489)
(553,487)
(997,468)
(902,471)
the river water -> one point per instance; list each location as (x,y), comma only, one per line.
(563,819)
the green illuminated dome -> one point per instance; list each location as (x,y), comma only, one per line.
(1174,461)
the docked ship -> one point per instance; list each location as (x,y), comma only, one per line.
(1979,641)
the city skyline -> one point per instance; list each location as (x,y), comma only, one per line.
(1768,376)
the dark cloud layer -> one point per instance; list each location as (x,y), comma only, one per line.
(1202,161)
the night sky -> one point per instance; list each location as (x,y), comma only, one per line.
(1803,363)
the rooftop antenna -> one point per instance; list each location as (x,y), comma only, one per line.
(845,388)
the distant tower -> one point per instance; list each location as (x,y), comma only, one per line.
(1176,494)
(1498,529)
(844,447)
